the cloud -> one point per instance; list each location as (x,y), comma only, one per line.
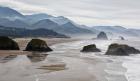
(88,12)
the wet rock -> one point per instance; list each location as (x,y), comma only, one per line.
(8,44)
(90,48)
(122,38)
(38,45)
(102,35)
(121,49)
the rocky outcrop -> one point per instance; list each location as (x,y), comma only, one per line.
(122,38)
(102,35)
(90,48)
(8,44)
(38,45)
(121,50)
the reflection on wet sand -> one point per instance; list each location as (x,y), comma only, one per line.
(37,57)
(4,59)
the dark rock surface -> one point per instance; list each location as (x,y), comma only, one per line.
(38,45)
(8,44)
(122,38)
(102,35)
(90,48)
(121,49)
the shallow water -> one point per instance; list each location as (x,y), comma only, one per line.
(67,63)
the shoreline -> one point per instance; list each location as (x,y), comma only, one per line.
(86,68)
(22,42)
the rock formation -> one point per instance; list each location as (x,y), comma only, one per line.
(8,44)
(90,48)
(38,45)
(121,49)
(122,38)
(102,35)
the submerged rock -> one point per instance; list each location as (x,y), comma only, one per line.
(8,44)
(90,48)
(102,35)
(121,49)
(38,45)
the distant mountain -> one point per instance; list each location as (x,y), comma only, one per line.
(114,30)
(46,23)
(22,32)
(137,31)
(68,28)
(110,28)
(15,23)
(36,17)
(14,19)
(6,12)
(60,20)
(71,29)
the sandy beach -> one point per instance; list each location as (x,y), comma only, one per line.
(65,63)
(46,67)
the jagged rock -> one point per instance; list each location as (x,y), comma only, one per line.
(121,49)
(90,48)
(102,35)
(122,38)
(38,45)
(8,44)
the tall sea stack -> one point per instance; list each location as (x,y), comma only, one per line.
(102,35)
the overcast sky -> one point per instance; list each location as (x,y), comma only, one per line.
(89,12)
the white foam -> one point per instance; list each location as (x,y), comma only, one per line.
(133,68)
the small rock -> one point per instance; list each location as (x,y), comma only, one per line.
(122,38)
(90,48)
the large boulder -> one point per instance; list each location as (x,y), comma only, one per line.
(121,49)
(38,45)
(8,44)
(102,35)
(90,48)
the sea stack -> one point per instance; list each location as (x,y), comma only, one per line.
(7,43)
(102,35)
(121,50)
(90,48)
(122,38)
(38,45)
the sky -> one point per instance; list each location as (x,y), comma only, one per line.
(87,12)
